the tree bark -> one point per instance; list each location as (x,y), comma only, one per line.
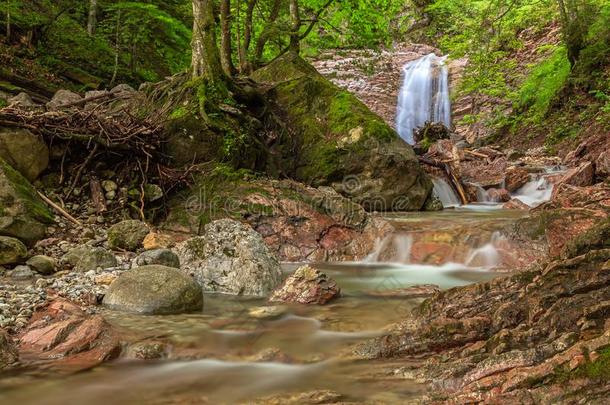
(226,50)
(8,21)
(266,34)
(244,64)
(295,18)
(92,19)
(206,56)
(117,48)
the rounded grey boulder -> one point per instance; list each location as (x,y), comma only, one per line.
(127,235)
(154,290)
(231,258)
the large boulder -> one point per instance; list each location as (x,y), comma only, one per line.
(24,151)
(297,222)
(127,235)
(336,140)
(23,215)
(65,337)
(86,258)
(307,286)
(231,258)
(62,98)
(11,250)
(154,290)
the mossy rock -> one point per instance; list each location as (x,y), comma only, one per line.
(12,251)
(335,140)
(23,214)
(127,235)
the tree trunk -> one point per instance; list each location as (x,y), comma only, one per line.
(295,18)
(206,56)
(8,21)
(226,50)
(92,20)
(264,36)
(244,63)
(117,48)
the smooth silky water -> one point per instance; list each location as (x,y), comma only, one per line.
(224,355)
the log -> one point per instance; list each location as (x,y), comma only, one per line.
(97,196)
(453,178)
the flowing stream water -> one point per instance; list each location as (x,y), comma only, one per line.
(228,354)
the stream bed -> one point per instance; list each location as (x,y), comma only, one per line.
(238,349)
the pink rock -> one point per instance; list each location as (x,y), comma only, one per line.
(307,286)
(498,195)
(516,204)
(516,178)
(580,176)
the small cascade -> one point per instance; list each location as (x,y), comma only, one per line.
(445,193)
(536,191)
(424,96)
(486,256)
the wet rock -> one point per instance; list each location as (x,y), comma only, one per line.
(498,195)
(267,312)
(230,258)
(61,98)
(23,215)
(11,250)
(154,290)
(579,176)
(42,264)
(307,286)
(147,351)
(68,338)
(8,352)
(433,203)
(24,151)
(416,291)
(298,223)
(91,258)
(516,178)
(127,235)
(515,204)
(163,257)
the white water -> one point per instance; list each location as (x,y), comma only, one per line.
(445,193)
(424,96)
(539,189)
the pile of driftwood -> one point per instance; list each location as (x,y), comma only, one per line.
(117,131)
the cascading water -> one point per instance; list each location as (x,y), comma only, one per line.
(424,96)
(445,193)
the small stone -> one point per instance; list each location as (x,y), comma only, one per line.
(153,192)
(267,312)
(42,264)
(105,278)
(22,273)
(93,258)
(110,195)
(163,257)
(146,351)
(156,240)
(127,235)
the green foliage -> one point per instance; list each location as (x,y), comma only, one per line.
(544,82)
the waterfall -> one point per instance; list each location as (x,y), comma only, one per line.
(445,193)
(424,96)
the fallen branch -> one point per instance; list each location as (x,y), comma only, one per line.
(453,178)
(60,210)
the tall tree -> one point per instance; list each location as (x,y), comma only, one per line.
(92,18)
(295,18)
(206,56)
(226,49)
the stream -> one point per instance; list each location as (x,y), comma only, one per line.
(228,354)
(238,349)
